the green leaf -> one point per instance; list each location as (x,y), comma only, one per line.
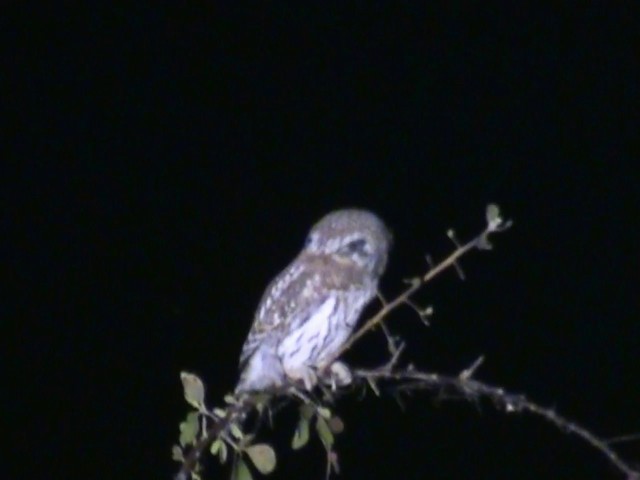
(193,389)
(222,453)
(260,398)
(263,457)
(189,429)
(235,431)
(215,446)
(301,436)
(241,471)
(306,411)
(247,440)
(324,433)
(176,454)
(324,412)
(493,213)
(336,425)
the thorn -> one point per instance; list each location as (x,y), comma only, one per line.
(429,261)
(459,270)
(452,236)
(468,372)
(381,298)
(423,313)
(373,386)
(391,340)
(414,282)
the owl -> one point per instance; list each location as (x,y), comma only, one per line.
(309,310)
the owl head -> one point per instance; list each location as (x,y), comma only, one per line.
(352,236)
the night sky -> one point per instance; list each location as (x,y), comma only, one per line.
(162,164)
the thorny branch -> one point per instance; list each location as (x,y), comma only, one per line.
(495,224)
(408,379)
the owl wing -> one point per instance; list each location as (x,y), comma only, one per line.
(288,302)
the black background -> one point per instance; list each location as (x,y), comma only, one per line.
(164,163)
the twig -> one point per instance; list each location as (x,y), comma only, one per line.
(234,414)
(218,428)
(480,242)
(632,437)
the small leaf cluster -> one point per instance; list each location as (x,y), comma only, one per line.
(230,442)
(231,439)
(326,426)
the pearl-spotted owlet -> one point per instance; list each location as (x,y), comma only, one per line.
(309,310)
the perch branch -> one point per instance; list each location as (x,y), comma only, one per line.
(408,379)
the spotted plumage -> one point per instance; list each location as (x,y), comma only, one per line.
(309,310)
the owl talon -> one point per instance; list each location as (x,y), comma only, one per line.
(304,374)
(310,379)
(339,375)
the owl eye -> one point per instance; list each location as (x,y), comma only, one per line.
(357,246)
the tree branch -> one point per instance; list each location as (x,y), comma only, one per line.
(408,379)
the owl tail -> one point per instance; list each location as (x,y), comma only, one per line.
(262,372)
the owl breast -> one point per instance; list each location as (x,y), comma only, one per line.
(317,339)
